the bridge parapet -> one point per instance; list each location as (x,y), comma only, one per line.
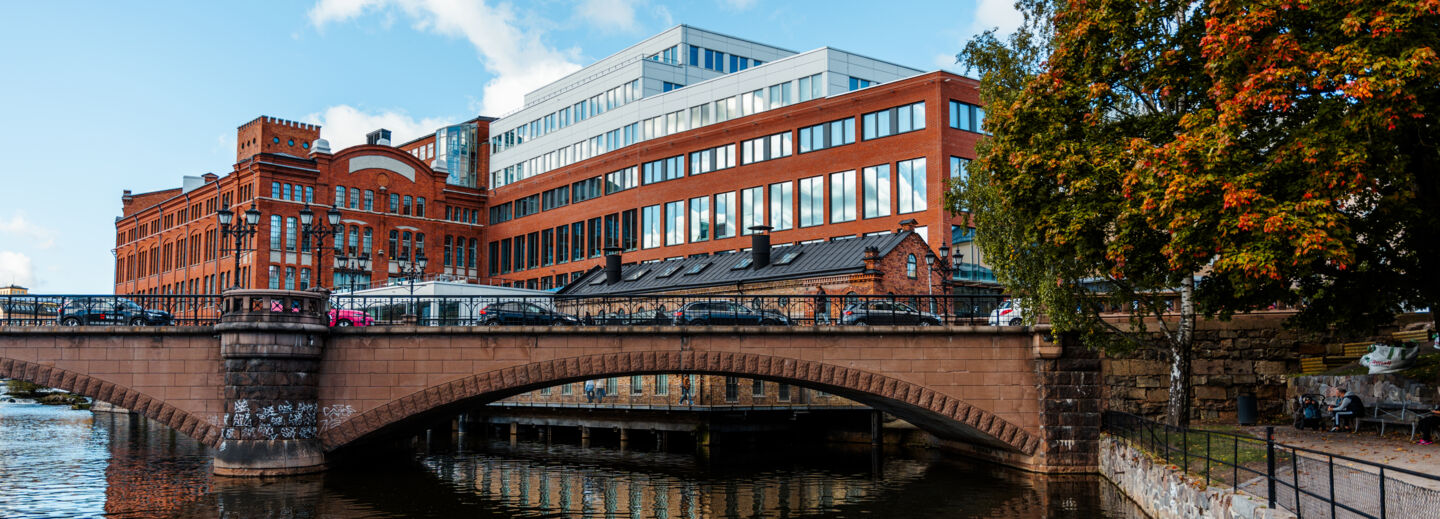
(275,306)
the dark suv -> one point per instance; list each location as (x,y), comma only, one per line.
(887,313)
(521,313)
(89,311)
(726,313)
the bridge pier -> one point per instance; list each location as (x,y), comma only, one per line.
(271,344)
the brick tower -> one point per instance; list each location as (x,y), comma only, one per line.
(268,134)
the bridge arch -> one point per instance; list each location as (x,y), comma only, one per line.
(932,411)
(141,403)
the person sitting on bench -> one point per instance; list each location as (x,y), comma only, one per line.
(1310,415)
(1350,408)
(1427,424)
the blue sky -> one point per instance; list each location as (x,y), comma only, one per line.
(99,97)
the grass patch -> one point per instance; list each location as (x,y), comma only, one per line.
(1236,447)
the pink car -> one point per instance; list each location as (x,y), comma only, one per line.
(350,318)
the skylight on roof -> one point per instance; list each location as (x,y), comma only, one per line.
(639,273)
(669,271)
(599,280)
(743,264)
(696,268)
(788,257)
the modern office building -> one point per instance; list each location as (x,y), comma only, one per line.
(672,148)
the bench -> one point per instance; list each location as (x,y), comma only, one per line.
(1388,413)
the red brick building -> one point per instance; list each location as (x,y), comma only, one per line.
(685,141)
(393,205)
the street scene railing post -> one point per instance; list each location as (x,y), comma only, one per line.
(1269,465)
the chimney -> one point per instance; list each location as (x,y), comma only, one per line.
(378,137)
(126,199)
(872,260)
(760,246)
(612,265)
(908,225)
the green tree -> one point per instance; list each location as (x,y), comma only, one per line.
(1235,154)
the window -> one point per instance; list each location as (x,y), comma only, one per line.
(309,194)
(910,191)
(892,121)
(675,223)
(766,148)
(732,389)
(562,244)
(757,388)
(618,181)
(812,201)
(289,278)
(577,241)
(828,135)
(782,206)
(420,206)
(558,197)
(713,159)
(666,169)
(857,83)
(780,95)
(662,385)
(877,191)
(304,279)
(287,195)
(500,213)
(369,200)
(637,384)
(811,87)
(842,197)
(274,276)
(339,196)
(354,198)
(968,117)
(725,215)
(594,238)
(290,233)
(910,266)
(275,233)
(699,219)
(752,207)
(650,227)
(394,203)
(448,257)
(628,227)
(274,193)
(526,206)
(586,189)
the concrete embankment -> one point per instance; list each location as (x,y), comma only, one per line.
(1163,492)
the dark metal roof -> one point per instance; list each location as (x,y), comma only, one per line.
(813,260)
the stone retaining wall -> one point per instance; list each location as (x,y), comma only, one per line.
(1165,493)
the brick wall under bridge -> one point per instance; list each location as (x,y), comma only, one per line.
(1001,393)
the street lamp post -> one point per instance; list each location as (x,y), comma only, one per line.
(413,270)
(310,230)
(352,265)
(239,231)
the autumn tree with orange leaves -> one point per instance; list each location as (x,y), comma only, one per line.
(1232,154)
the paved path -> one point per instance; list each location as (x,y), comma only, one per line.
(1356,484)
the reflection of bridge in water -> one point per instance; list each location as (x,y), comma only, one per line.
(575,482)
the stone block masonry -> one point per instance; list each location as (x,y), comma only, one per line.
(1166,493)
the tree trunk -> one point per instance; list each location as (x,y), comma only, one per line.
(1177,409)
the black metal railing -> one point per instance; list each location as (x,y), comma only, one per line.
(1307,482)
(93,310)
(473,310)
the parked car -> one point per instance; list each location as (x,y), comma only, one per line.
(521,313)
(637,318)
(119,311)
(887,312)
(1007,314)
(726,313)
(339,317)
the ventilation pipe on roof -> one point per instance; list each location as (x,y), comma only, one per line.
(612,265)
(760,246)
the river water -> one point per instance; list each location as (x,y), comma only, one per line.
(55,462)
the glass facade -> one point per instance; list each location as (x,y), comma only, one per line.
(458,146)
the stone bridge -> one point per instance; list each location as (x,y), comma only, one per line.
(279,392)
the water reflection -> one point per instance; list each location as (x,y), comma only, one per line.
(60,463)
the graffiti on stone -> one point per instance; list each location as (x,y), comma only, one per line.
(334,415)
(278,421)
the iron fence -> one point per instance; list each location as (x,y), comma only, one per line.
(93,310)
(470,310)
(1307,482)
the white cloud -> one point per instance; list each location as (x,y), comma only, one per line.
(516,55)
(16,269)
(609,15)
(21,227)
(663,13)
(999,14)
(738,5)
(346,126)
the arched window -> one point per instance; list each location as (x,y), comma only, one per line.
(910,266)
